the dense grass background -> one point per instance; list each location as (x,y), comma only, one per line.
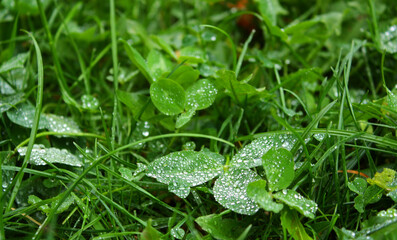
(311,67)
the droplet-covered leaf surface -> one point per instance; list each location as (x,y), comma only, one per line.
(279,168)
(251,155)
(257,192)
(52,155)
(293,199)
(230,190)
(17,61)
(358,185)
(61,124)
(89,102)
(6,102)
(168,96)
(201,94)
(158,64)
(184,169)
(225,229)
(23,115)
(389,39)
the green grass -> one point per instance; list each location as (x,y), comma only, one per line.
(173,120)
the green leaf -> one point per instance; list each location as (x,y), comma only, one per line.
(6,102)
(358,185)
(257,192)
(373,194)
(391,100)
(164,45)
(230,190)
(15,62)
(192,55)
(290,220)
(64,205)
(381,226)
(23,115)
(168,96)
(126,173)
(389,39)
(177,233)
(185,75)
(251,155)
(279,168)
(150,233)
(224,229)
(393,195)
(184,169)
(137,103)
(293,199)
(158,64)
(359,203)
(184,117)
(61,124)
(52,155)
(138,61)
(89,102)
(270,9)
(384,180)
(32,199)
(201,94)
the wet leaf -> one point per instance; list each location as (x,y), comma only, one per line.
(391,100)
(158,64)
(32,199)
(384,179)
(7,102)
(201,94)
(389,39)
(279,168)
(138,104)
(270,9)
(184,169)
(185,75)
(224,229)
(61,124)
(251,155)
(372,194)
(230,190)
(257,192)
(184,117)
(381,226)
(15,62)
(290,220)
(64,205)
(192,55)
(293,199)
(393,195)
(23,115)
(168,96)
(89,102)
(52,155)
(150,233)
(177,233)
(126,173)
(358,185)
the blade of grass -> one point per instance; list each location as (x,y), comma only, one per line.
(242,54)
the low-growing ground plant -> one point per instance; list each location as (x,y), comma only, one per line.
(182,119)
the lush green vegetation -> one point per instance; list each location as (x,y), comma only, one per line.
(182,119)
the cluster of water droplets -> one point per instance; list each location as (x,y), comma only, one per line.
(52,155)
(389,39)
(201,94)
(251,155)
(230,190)
(184,169)
(61,124)
(293,199)
(23,115)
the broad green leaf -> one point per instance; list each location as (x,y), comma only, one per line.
(126,173)
(52,155)
(158,64)
(358,185)
(270,9)
(15,62)
(382,226)
(293,199)
(184,169)
(150,233)
(89,102)
(177,233)
(9,101)
(290,220)
(23,115)
(185,117)
(64,205)
(251,155)
(384,179)
(168,96)
(61,124)
(185,75)
(388,40)
(372,194)
(279,168)
(138,61)
(191,55)
(32,199)
(359,203)
(393,195)
(224,229)
(164,45)
(257,192)
(201,94)
(138,104)
(230,190)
